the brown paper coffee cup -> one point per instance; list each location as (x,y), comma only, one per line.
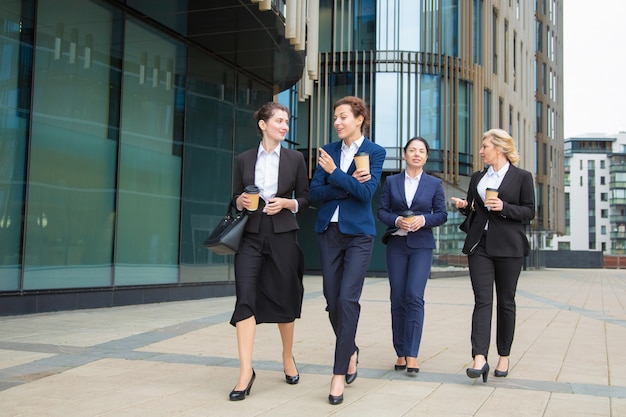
(253,194)
(490,193)
(362,161)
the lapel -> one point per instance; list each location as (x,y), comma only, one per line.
(508,177)
(399,185)
(282,166)
(420,187)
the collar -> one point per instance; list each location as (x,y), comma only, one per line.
(500,173)
(357,143)
(416,178)
(263,151)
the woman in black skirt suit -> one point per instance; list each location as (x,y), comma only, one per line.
(270,263)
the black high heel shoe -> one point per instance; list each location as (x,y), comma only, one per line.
(293,380)
(501,374)
(475,373)
(411,371)
(241,395)
(400,367)
(351,377)
(335,399)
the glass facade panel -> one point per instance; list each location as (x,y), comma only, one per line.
(150,159)
(208,154)
(430,93)
(70,201)
(465,117)
(477,31)
(15,67)
(387,110)
(399,27)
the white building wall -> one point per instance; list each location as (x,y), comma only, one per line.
(578,189)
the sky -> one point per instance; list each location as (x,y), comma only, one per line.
(594,70)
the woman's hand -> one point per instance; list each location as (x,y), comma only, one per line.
(411,224)
(243,201)
(275,205)
(362,175)
(494,204)
(326,162)
(459,203)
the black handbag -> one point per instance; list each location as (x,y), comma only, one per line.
(225,239)
(467,223)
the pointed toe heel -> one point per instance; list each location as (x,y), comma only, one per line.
(335,399)
(475,373)
(400,367)
(412,371)
(350,378)
(293,380)
(241,395)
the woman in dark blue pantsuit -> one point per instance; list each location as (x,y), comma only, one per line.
(410,245)
(346,230)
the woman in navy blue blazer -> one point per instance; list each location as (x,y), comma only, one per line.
(346,230)
(495,245)
(411,204)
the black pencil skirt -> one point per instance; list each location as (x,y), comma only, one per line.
(268,276)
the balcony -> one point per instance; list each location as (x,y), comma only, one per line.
(618,219)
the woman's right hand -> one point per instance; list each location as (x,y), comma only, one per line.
(243,201)
(459,203)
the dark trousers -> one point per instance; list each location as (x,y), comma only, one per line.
(408,270)
(344,260)
(486,270)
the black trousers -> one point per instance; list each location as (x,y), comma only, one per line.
(344,260)
(485,271)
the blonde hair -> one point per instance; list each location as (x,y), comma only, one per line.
(502,140)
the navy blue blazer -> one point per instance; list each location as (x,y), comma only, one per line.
(429,201)
(339,189)
(293,182)
(506,235)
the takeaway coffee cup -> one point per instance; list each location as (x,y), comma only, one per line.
(253,194)
(490,193)
(408,215)
(362,160)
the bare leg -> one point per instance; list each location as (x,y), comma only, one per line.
(246,330)
(503,364)
(411,362)
(337,385)
(479,361)
(286,336)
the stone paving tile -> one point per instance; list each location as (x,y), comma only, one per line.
(179,359)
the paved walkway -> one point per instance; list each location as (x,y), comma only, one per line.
(179,358)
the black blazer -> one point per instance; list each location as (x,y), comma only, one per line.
(293,182)
(506,235)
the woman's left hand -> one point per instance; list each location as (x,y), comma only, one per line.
(412,225)
(362,175)
(494,204)
(274,206)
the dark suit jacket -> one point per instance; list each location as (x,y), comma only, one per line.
(429,201)
(292,178)
(340,189)
(506,235)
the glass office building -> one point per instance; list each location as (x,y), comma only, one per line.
(120,121)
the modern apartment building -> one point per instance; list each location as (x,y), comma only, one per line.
(120,120)
(595,194)
(448,70)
